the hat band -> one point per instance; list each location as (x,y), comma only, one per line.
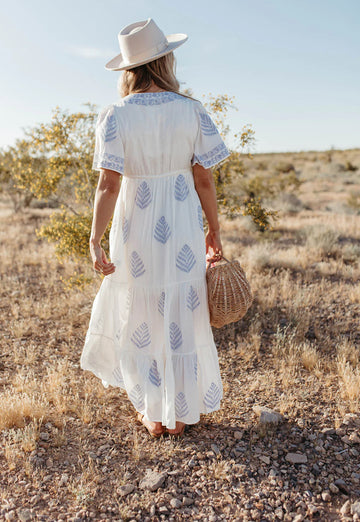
(146,54)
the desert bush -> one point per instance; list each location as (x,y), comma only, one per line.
(270,186)
(351,253)
(350,167)
(261,165)
(10,161)
(321,238)
(353,202)
(288,202)
(284,167)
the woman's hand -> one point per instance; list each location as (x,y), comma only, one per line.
(100,261)
(213,242)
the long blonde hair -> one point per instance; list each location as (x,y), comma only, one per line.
(161,71)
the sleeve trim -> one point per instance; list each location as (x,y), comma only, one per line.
(108,161)
(211,158)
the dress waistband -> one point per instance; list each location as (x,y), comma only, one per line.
(162,175)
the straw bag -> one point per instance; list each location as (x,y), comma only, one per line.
(229,294)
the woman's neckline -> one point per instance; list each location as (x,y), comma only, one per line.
(149,92)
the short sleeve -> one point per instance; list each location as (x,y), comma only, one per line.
(109,150)
(209,148)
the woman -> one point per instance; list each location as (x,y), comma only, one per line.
(149,331)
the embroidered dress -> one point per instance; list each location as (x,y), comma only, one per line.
(149,330)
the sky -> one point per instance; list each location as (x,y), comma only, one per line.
(292,66)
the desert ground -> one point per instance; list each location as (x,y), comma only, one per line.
(73,450)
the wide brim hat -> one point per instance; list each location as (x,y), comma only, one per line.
(142,42)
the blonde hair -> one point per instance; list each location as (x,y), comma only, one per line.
(160,71)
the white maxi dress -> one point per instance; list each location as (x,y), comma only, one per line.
(149,331)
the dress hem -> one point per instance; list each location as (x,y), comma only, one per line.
(107,384)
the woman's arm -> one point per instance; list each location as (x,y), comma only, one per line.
(105,198)
(205,187)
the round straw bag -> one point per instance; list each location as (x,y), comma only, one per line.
(229,294)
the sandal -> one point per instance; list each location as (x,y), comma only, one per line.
(155,434)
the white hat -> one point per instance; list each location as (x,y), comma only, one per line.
(143,42)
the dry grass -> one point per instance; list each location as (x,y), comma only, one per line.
(297,350)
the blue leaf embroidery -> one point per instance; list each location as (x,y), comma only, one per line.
(118,376)
(175,336)
(110,128)
(137,397)
(154,374)
(192,300)
(200,218)
(207,125)
(141,336)
(185,259)
(125,229)
(162,230)
(181,407)
(212,397)
(181,188)
(136,265)
(143,195)
(161,303)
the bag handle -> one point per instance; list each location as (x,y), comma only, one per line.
(221,257)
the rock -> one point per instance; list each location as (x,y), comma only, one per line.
(345,509)
(215,449)
(355,508)
(187,501)
(63,479)
(192,462)
(312,509)
(325,495)
(38,462)
(354,438)
(315,470)
(333,488)
(279,513)
(296,458)
(153,480)
(24,515)
(298,518)
(351,418)
(103,448)
(339,457)
(125,490)
(341,484)
(340,432)
(268,416)
(265,459)
(163,510)
(175,503)
(44,435)
(238,435)
(152,510)
(328,432)
(10,515)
